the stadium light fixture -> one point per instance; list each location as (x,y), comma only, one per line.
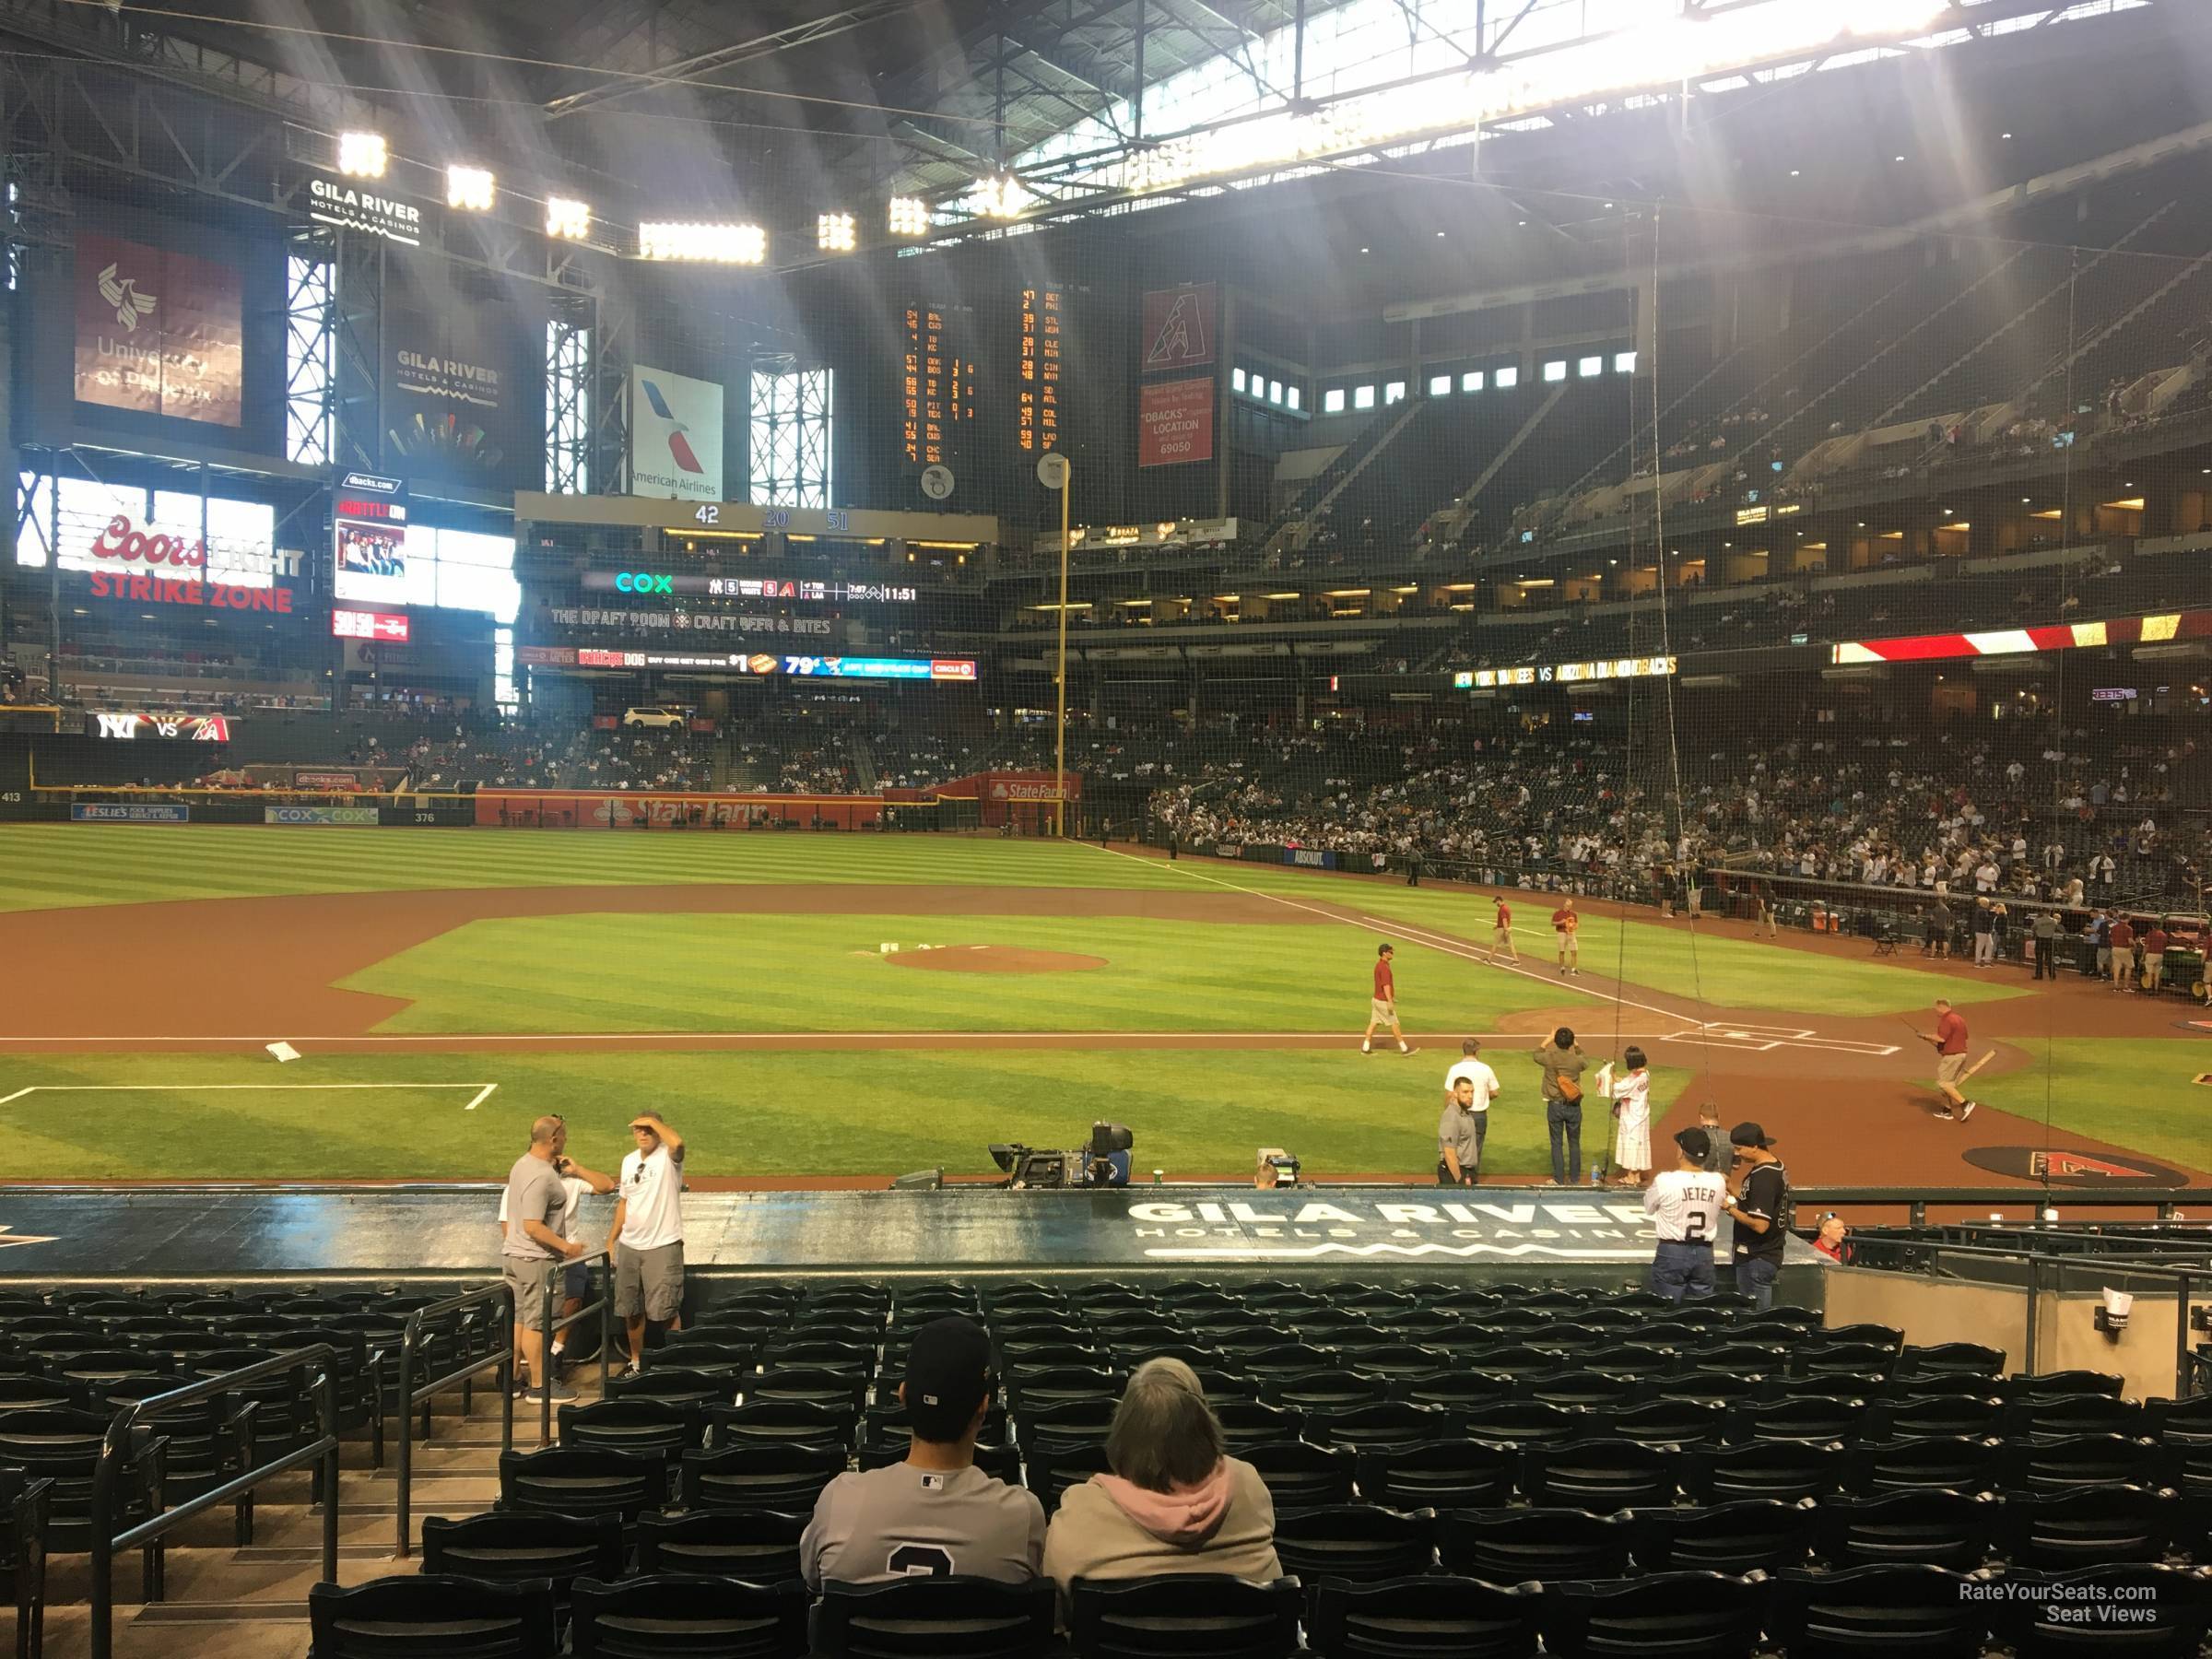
(470,189)
(702,244)
(568,218)
(910,217)
(363,154)
(1003,197)
(833,233)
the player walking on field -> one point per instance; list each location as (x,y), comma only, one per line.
(1569,928)
(1950,1038)
(1383,1008)
(1501,931)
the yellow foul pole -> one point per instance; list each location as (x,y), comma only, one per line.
(1060,675)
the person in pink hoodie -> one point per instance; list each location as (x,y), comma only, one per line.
(1174,1502)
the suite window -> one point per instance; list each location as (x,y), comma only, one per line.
(1555,371)
(1506,378)
(1290,394)
(1592,366)
(1624,362)
(1236,379)
(1275,392)
(1332,400)
(1394,392)
(1440,385)
(1471,381)
(1363,397)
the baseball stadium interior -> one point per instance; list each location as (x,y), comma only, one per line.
(892,621)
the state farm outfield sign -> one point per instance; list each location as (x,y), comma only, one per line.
(1270,1230)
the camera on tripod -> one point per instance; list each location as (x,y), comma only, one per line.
(1103,1163)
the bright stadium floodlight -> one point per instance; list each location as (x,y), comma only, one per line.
(704,243)
(909,216)
(469,189)
(363,154)
(568,218)
(1003,197)
(833,233)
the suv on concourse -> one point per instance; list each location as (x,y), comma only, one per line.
(659,717)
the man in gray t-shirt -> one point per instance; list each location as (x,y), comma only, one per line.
(533,1243)
(936,1513)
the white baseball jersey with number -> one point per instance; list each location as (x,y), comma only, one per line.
(1686,1204)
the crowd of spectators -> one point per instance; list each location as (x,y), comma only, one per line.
(1951,811)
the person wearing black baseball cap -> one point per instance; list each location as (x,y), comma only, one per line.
(1685,1207)
(936,1513)
(1760,1206)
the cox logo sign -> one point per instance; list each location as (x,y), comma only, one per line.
(643,582)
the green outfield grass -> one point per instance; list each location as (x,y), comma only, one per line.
(744,1114)
(825,974)
(2138,1093)
(1726,972)
(44,866)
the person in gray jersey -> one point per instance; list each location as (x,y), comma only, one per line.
(935,1514)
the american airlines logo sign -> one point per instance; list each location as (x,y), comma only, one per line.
(674,436)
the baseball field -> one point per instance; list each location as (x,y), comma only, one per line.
(838,1007)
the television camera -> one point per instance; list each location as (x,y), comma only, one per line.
(1103,1163)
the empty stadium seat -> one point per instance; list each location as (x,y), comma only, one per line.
(758,1545)
(1759,1534)
(934,1619)
(565,1480)
(1507,1546)
(1899,1611)
(1425,1617)
(1355,1541)
(688,1617)
(1190,1616)
(429,1616)
(513,1549)
(1692,1615)
(768,1477)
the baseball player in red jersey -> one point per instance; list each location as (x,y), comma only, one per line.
(1501,932)
(1383,1008)
(1567,926)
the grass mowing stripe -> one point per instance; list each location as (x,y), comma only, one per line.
(762,1114)
(780,972)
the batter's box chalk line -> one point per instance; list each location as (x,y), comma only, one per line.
(478,1092)
(1763,1040)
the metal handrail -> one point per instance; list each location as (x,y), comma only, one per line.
(411,1396)
(603,1307)
(106,1470)
(1916,1200)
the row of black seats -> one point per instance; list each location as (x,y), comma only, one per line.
(1924,1612)
(1607,1474)
(2064,1532)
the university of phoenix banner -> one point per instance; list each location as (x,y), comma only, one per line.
(158,332)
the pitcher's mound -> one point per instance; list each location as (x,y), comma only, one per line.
(994,959)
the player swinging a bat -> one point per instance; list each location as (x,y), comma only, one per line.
(1951,1069)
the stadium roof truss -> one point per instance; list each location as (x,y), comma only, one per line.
(1068,108)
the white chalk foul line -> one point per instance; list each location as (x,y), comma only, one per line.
(1756,1040)
(1450,947)
(554,1038)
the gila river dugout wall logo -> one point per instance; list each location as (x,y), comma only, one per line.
(2060,1166)
(1279,1229)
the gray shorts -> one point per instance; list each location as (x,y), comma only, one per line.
(650,1283)
(526,1276)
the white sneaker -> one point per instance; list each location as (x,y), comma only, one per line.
(1967,1111)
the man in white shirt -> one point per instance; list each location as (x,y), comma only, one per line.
(647,1238)
(1467,1121)
(1684,1206)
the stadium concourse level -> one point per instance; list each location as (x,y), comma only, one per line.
(1451,1468)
